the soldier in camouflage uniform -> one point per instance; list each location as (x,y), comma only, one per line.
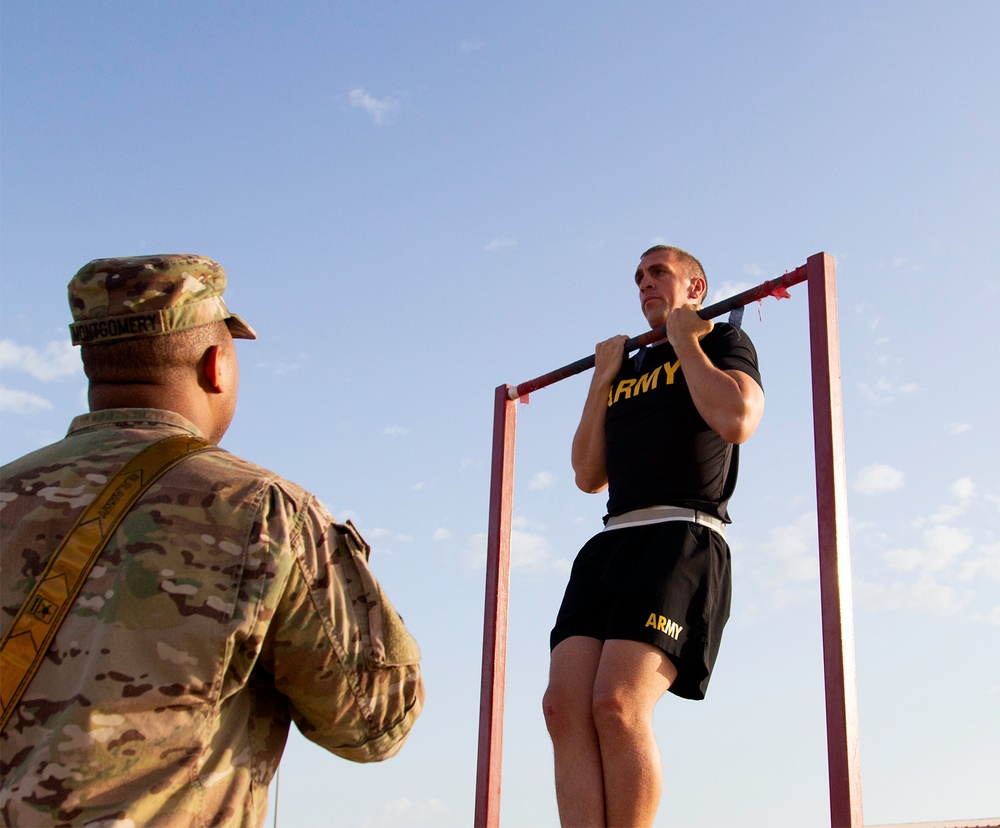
(227,604)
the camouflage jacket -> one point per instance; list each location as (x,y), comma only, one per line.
(227,604)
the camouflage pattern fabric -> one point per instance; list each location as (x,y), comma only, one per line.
(228,604)
(124,298)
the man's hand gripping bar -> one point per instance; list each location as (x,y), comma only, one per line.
(774,287)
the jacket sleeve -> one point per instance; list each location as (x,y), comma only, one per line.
(341,654)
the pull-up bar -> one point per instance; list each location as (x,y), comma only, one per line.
(773,287)
(834,557)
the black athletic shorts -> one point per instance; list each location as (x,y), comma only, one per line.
(666,584)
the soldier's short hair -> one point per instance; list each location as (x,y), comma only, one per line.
(688,262)
(151,359)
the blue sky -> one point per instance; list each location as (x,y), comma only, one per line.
(418,202)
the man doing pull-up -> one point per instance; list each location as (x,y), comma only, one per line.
(648,597)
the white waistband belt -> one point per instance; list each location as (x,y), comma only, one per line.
(664,514)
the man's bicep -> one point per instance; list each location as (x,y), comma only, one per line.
(749,387)
(752,396)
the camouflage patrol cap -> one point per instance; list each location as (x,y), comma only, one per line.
(114,299)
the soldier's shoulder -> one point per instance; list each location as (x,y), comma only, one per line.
(235,470)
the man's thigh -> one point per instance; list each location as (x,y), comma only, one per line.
(634,672)
(573,668)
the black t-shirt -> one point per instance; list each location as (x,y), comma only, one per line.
(659,450)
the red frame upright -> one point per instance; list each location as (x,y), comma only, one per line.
(495,620)
(843,751)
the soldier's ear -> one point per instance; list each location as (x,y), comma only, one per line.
(696,289)
(213,368)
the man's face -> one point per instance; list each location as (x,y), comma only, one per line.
(664,284)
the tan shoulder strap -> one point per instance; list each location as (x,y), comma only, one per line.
(29,636)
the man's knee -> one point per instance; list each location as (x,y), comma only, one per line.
(614,712)
(564,710)
(555,710)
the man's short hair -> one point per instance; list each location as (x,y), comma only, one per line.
(151,359)
(689,262)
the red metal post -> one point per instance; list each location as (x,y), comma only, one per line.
(495,620)
(834,552)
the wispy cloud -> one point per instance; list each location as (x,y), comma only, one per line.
(905,263)
(280,368)
(499,243)
(395,431)
(963,488)
(530,551)
(471,45)
(925,594)
(878,478)
(541,481)
(55,361)
(945,568)
(405,811)
(727,289)
(381,110)
(13,401)
(885,391)
(788,564)
(941,547)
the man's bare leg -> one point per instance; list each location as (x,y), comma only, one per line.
(631,678)
(568,708)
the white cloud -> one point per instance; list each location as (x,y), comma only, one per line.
(530,551)
(940,563)
(945,544)
(54,361)
(924,595)
(541,481)
(21,402)
(279,368)
(380,110)
(499,243)
(905,560)
(787,563)
(471,45)
(991,617)
(794,548)
(963,493)
(884,391)
(941,547)
(985,564)
(474,554)
(878,478)
(727,289)
(904,263)
(441,534)
(395,430)
(404,811)
(957,428)
(963,488)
